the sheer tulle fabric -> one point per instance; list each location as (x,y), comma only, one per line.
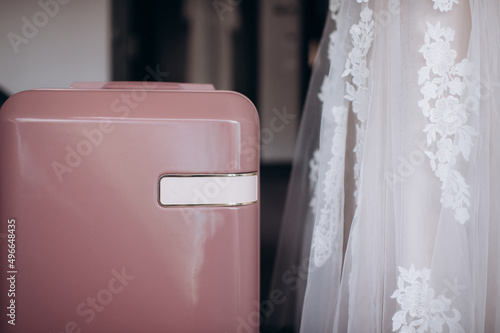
(393,211)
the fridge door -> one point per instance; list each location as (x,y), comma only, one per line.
(92,237)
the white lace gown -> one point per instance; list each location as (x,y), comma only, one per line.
(402,231)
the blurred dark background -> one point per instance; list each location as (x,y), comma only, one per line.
(262,49)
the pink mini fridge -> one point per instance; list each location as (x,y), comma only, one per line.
(129,207)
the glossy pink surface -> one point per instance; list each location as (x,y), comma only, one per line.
(94,250)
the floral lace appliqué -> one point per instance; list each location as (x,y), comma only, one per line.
(420,306)
(444,5)
(442,81)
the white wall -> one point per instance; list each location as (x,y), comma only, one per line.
(72,44)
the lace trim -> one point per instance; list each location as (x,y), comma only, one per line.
(444,5)
(418,304)
(313,177)
(326,227)
(358,93)
(326,89)
(442,82)
(334,9)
